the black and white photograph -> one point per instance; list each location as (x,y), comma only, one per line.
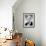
(29,20)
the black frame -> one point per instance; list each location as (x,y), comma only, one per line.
(33,20)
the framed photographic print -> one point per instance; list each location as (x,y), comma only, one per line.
(29,20)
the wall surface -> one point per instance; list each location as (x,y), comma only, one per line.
(43,22)
(6,13)
(28,6)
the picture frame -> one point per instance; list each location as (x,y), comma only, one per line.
(28,20)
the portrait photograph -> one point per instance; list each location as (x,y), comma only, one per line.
(29,20)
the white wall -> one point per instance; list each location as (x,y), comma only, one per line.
(43,22)
(28,6)
(6,13)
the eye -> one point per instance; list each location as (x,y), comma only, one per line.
(26,23)
(31,23)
